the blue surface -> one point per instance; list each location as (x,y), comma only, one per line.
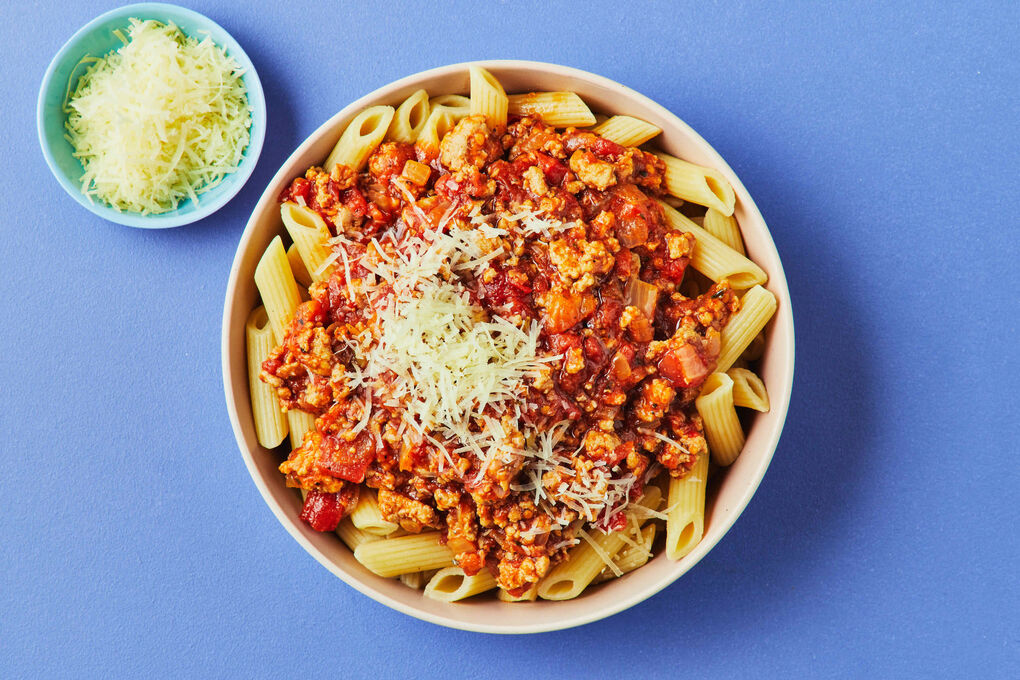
(880,142)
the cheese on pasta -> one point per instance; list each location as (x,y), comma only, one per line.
(159,121)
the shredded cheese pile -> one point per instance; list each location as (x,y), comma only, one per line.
(160,120)
(459,374)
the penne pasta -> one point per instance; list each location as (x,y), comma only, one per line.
(352,535)
(626,130)
(360,139)
(530,595)
(417,579)
(632,556)
(297,266)
(309,232)
(749,390)
(438,124)
(568,579)
(685,516)
(558,109)
(299,422)
(395,556)
(457,102)
(367,517)
(712,257)
(723,432)
(724,228)
(409,118)
(270,423)
(277,286)
(698,184)
(756,308)
(452,584)
(488,98)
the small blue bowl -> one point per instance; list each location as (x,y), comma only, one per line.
(96,38)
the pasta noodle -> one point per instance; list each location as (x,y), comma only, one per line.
(488,98)
(697,184)
(749,390)
(361,137)
(685,514)
(452,584)
(309,233)
(568,579)
(277,287)
(409,118)
(395,556)
(626,130)
(559,109)
(299,422)
(270,423)
(297,266)
(724,228)
(417,579)
(367,517)
(712,257)
(756,308)
(632,556)
(530,595)
(722,426)
(352,535)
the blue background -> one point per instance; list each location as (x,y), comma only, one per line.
(881,144)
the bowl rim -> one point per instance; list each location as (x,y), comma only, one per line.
(256,101)
(780,405)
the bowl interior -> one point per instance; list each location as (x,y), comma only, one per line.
(96,39)
(728,493)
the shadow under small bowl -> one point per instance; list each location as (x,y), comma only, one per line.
(97,39)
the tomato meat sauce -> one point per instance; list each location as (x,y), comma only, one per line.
(574,251)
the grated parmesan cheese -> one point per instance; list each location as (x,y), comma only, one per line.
(158,121)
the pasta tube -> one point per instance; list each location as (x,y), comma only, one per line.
(367,516)
(452,584)
(749,390)
(277,286)
(712,257)
(270,423)
(360,139)
(722,426)
(685,516)
(626,130)
(698,184)
(395,556)
(558,109)
(488,98)
(568,579)
(756,308)
(409,118)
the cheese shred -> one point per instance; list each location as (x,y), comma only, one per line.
(159,121)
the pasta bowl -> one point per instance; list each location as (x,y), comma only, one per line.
(728,493)
(96,39)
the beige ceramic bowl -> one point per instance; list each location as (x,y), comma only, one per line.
(726,498)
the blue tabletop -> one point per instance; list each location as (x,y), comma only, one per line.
(880,142)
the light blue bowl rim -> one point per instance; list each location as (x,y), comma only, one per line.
(211,201)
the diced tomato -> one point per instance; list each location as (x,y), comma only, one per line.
(354,201)
(323,511)
(683,367)
(605,148)
(553,169)
(350,460)
(300,187)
